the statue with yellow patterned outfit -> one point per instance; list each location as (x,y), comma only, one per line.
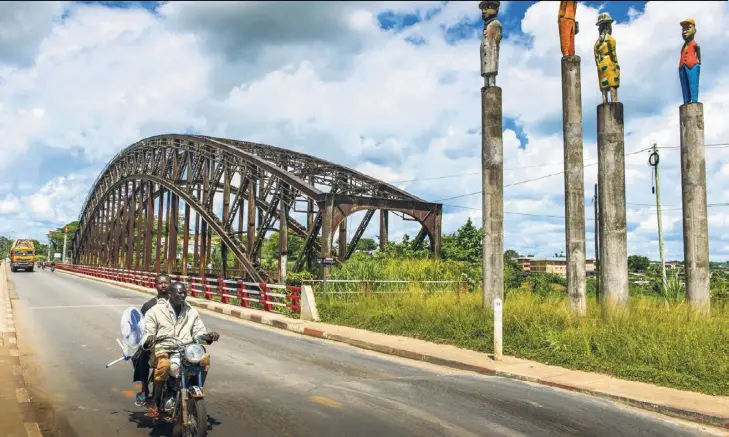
(606,59)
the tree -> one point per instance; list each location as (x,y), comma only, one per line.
(638,263)
(465,245)
(366,244)
(511,254)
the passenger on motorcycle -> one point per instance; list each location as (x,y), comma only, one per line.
(140,361)
(177,319)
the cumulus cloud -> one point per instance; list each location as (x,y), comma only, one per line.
(23,25)
(400,103)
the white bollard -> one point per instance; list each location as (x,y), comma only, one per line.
(308,304)
(498,324)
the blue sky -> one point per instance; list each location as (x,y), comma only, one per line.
(390,89)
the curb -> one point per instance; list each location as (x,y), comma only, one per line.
(294,325)
(28,414)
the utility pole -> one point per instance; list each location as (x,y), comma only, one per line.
(49,247)
(653,160)
(65,235)
(595,202)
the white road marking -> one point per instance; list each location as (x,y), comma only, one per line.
(21,395)
(32,429)
(59,307)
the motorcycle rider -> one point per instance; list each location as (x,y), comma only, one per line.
(140,361)
(174,318)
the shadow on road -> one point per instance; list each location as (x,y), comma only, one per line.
(161,429)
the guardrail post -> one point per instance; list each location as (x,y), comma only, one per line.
(458,292)
(242,294)
(223,291)
(367,288)
(264,297)
(193,283)
(293,293)
(208,294)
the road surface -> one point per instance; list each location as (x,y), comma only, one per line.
(267,382)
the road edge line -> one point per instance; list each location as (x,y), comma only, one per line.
(685,414)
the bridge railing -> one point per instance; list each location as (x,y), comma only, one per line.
(284,299)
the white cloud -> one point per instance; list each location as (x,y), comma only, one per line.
(325,80)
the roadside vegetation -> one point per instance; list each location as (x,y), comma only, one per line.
(655,341)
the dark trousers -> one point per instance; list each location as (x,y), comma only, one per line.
(140,361)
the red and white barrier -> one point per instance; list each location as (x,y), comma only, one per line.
(270,297)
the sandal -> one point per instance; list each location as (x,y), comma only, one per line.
(153,413)
(141,399)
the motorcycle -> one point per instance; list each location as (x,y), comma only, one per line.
(53,268)
(183,400)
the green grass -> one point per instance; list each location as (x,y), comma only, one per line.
(652,342)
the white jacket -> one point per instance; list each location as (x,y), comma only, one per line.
(161,321)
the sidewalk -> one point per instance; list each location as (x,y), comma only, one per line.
(712,410)
(16,414)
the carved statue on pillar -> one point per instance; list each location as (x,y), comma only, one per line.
(568,27)
(606,59)
(492,32)
(690,64)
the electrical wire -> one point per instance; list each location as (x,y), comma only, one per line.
(547,164)
(529,180)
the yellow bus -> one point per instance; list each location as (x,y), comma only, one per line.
(22,255)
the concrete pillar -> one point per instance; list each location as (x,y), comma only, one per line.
(437,231)
(383,229)
(251,232)
(574,183)
(283,238)
(492,161)
(327,211)
(611,185)
(342,239)
(693,193)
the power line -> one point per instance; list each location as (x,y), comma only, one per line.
(530,180)
(546,164)
(562,217)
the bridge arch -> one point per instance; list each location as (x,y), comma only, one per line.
(217,179)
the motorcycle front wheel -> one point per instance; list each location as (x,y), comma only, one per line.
(197,419)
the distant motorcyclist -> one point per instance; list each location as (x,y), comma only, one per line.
(177,319)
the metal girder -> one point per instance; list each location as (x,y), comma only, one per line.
(176,163)
(265,226)
(418,240)
(309,242)
(212,220)
(359,232)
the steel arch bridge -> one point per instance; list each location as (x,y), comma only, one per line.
(259,184)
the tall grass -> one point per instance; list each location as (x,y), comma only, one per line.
(650,342)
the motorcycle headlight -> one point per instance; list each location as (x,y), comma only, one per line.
(194,353)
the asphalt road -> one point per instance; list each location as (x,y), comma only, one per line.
(266,382)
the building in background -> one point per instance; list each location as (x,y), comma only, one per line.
(556,266)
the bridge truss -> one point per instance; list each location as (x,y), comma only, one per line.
(163,180)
